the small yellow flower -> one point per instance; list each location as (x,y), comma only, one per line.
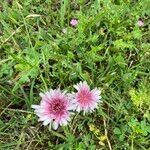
(29,117)
(92,127)
(101,143)
(96,131)
(102,138)
(98,135)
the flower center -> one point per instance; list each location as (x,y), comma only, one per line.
(57,106)
(84,96)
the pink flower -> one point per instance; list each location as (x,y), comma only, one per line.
(74,22)
(86,99)
(54,108)
(140,23)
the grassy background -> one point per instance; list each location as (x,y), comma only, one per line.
(107,49)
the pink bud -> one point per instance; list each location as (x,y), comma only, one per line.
(140,23)
(74,22)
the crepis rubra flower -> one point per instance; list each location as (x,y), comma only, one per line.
(85,99)
(140,23)
(74,22)
(55,108)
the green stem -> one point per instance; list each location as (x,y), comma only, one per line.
(58,134)
(1,87)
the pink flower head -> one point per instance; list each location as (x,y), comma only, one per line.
(54,108)
(86,99)
(140,23)
(74,22)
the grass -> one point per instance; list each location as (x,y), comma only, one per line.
(107,49)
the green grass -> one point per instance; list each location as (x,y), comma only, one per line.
(107,49)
